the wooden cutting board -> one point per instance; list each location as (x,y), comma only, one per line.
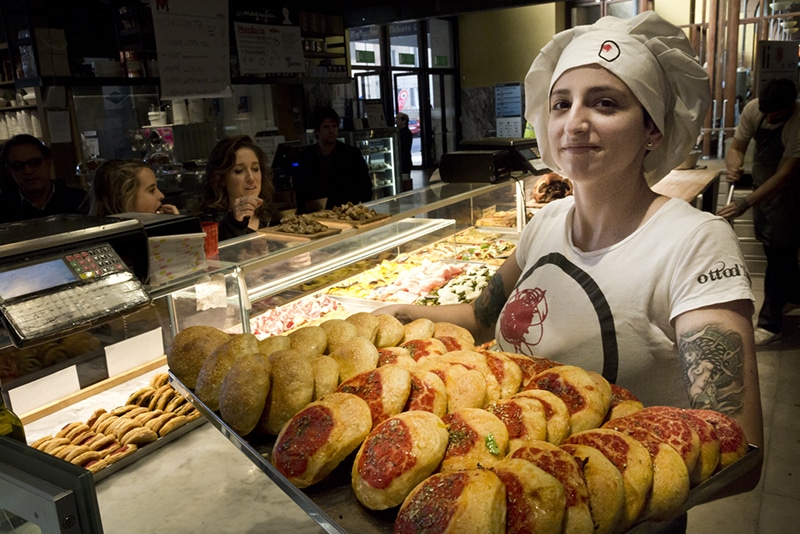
(277,234)
(347,223)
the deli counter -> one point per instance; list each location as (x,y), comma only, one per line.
(63,382)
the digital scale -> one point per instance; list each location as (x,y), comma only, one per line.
(64,273)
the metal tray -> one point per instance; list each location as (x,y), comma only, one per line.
(335,508)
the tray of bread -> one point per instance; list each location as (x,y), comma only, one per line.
(371,425)
(300,227)
(350,216)
(110,440)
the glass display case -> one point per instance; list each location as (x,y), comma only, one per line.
(380,149)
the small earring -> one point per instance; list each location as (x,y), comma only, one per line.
(649,143)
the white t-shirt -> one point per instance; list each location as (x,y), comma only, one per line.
(611,310)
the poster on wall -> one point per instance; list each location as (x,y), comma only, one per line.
(508,109)
(193,48)
(268,39)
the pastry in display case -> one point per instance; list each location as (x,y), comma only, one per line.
(380,150)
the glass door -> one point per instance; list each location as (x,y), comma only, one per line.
(443,126)
(407,100)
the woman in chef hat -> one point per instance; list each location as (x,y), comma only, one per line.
(645,289)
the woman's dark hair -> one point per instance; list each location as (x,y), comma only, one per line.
(777,95)
(221,160)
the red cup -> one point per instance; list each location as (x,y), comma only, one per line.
(211,230)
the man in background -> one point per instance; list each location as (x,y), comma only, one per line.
(28,191)
(331,173)
(773,121)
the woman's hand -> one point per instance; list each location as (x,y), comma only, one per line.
(168,208)
(733,209)
(246,206)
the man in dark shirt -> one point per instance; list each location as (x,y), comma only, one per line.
(30,193)
(331,173)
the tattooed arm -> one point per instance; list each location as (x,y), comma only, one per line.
(718,355)
(479,316)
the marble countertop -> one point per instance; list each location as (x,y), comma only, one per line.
(200,481)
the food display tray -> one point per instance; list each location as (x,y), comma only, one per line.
(333,505)
(278,234)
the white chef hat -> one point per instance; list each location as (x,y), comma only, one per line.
(652,57)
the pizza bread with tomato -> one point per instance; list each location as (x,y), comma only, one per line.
(529,365)
(560,464)
(452,331)
(398,454)
(427,393)
(385,390)
(477,438)
(396,356)
(670,429)
(709,457)
(670,487)
(535,500)
(355,356)
(732,439)
(631,459)
(623,403)
(604,484)
(587,403)
(524,418)
(506,371)
(316,439)
(555,411)
(471,360)
(454,503)
(422,348)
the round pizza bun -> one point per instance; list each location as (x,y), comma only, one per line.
(189,350)
(524,418)
(427,393)
(530,366)
(338,332)
(670,487)
(560,464)
(291,389)
(311,340)
(326,375)
(450,330)
(604,484)
(632,460)
(244,391)
(709,457)
(397,455)
(316,439)
(555,410)
(422,348)
(470,360)
(452,343)
(672,430)
(732,439)
(217,365)
(477,439)
(396,356)
(506,371)
(355,357)
(466,388)
(385,390)
(623,403)
(535,500)
(366,325)
(586,403)
(271,344)
(418,329)
(455,503)
(390,331)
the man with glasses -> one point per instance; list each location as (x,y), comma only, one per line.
(28,191)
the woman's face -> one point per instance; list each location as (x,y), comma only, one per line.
(244,179)
(597,125)
(148,196)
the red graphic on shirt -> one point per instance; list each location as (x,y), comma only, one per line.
(523,319)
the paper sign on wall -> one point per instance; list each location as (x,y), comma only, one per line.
(193,48)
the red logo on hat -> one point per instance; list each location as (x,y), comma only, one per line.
(609,51)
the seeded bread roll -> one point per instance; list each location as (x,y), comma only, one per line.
(271,344)
(311,340)
(390,331)
(366,325)
(291,389)
(189,351)
(243,394)
(338,332)
(216,367)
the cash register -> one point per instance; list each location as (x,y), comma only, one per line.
(65,273)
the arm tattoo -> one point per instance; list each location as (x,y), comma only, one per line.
(490,302)
(713,363)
